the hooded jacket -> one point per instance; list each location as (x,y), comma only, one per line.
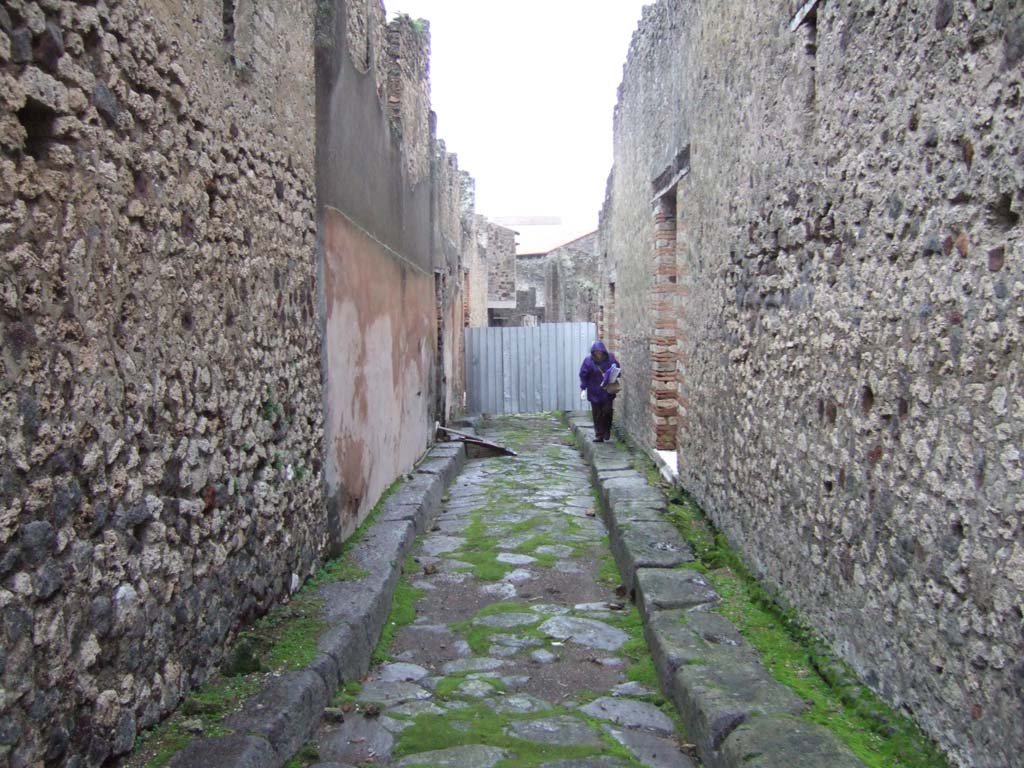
(592,373)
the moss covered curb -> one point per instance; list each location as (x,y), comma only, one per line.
(731,706)
(280,717)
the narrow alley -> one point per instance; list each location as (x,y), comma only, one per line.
(521,652)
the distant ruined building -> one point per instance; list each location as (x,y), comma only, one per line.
(554,286)
(813,276)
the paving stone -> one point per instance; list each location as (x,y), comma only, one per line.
(395,726)
(632,688)
(568,566)
(507,620)
(629,489)
(285,712)
(227,751)
(655,751)
(417,708)
(563,730)
(473,756)
(659,589)
(474,664)
(438,543)
(381,692)
(520,703)
(357,740)
(588,762)
(630,713)
(515,682)
(500,589)
(515,559)
(549,609)
(517,642)
(600,607)
(766,742)
(648,545)
(677,638)
(512,542)
(557,550)
(586,632)
(714,698)
(402,672)
(518,576)
(543,656)
(476,689)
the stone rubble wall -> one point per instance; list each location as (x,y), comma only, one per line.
(408,93)
(501,263)
(530,273)
(476,265)
(163,309)
(160,396)
(850,277)
(572,281)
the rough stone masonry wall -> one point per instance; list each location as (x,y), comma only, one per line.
(160,395)
(649,126)
(572,280)
(850,257)
(501,264)
(476,264)
(530,271)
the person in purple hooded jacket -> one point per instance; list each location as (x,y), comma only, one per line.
(594,375)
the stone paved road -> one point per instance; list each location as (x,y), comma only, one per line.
(519,655)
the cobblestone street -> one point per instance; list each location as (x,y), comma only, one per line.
(521,652)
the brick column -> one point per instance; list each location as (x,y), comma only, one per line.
(663,347)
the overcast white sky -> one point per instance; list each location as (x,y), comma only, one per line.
(524,92)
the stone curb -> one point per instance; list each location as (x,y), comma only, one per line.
(733,709)
(277,721)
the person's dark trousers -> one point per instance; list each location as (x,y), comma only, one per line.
(602,419)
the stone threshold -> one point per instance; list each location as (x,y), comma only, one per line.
(736,713)
(274,724)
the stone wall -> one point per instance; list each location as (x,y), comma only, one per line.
(531,269)
(160,400)
(390,207)
(202,290)
(476,271)
(500,245)
(846,212)
(572,282)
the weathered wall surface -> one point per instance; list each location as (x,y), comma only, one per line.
(380,359)
(572,281)
(530,274)
(850,268)
(160,398)
(376,192)
(500,246)
(650,127)
(476,270)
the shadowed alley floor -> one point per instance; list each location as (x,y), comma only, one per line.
(521,653)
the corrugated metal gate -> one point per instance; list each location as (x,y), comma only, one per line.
(526,370)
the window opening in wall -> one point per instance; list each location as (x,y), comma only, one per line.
(228,18)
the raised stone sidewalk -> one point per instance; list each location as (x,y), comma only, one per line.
(732,709)
(738,715)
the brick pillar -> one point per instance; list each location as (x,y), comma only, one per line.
(663,347)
